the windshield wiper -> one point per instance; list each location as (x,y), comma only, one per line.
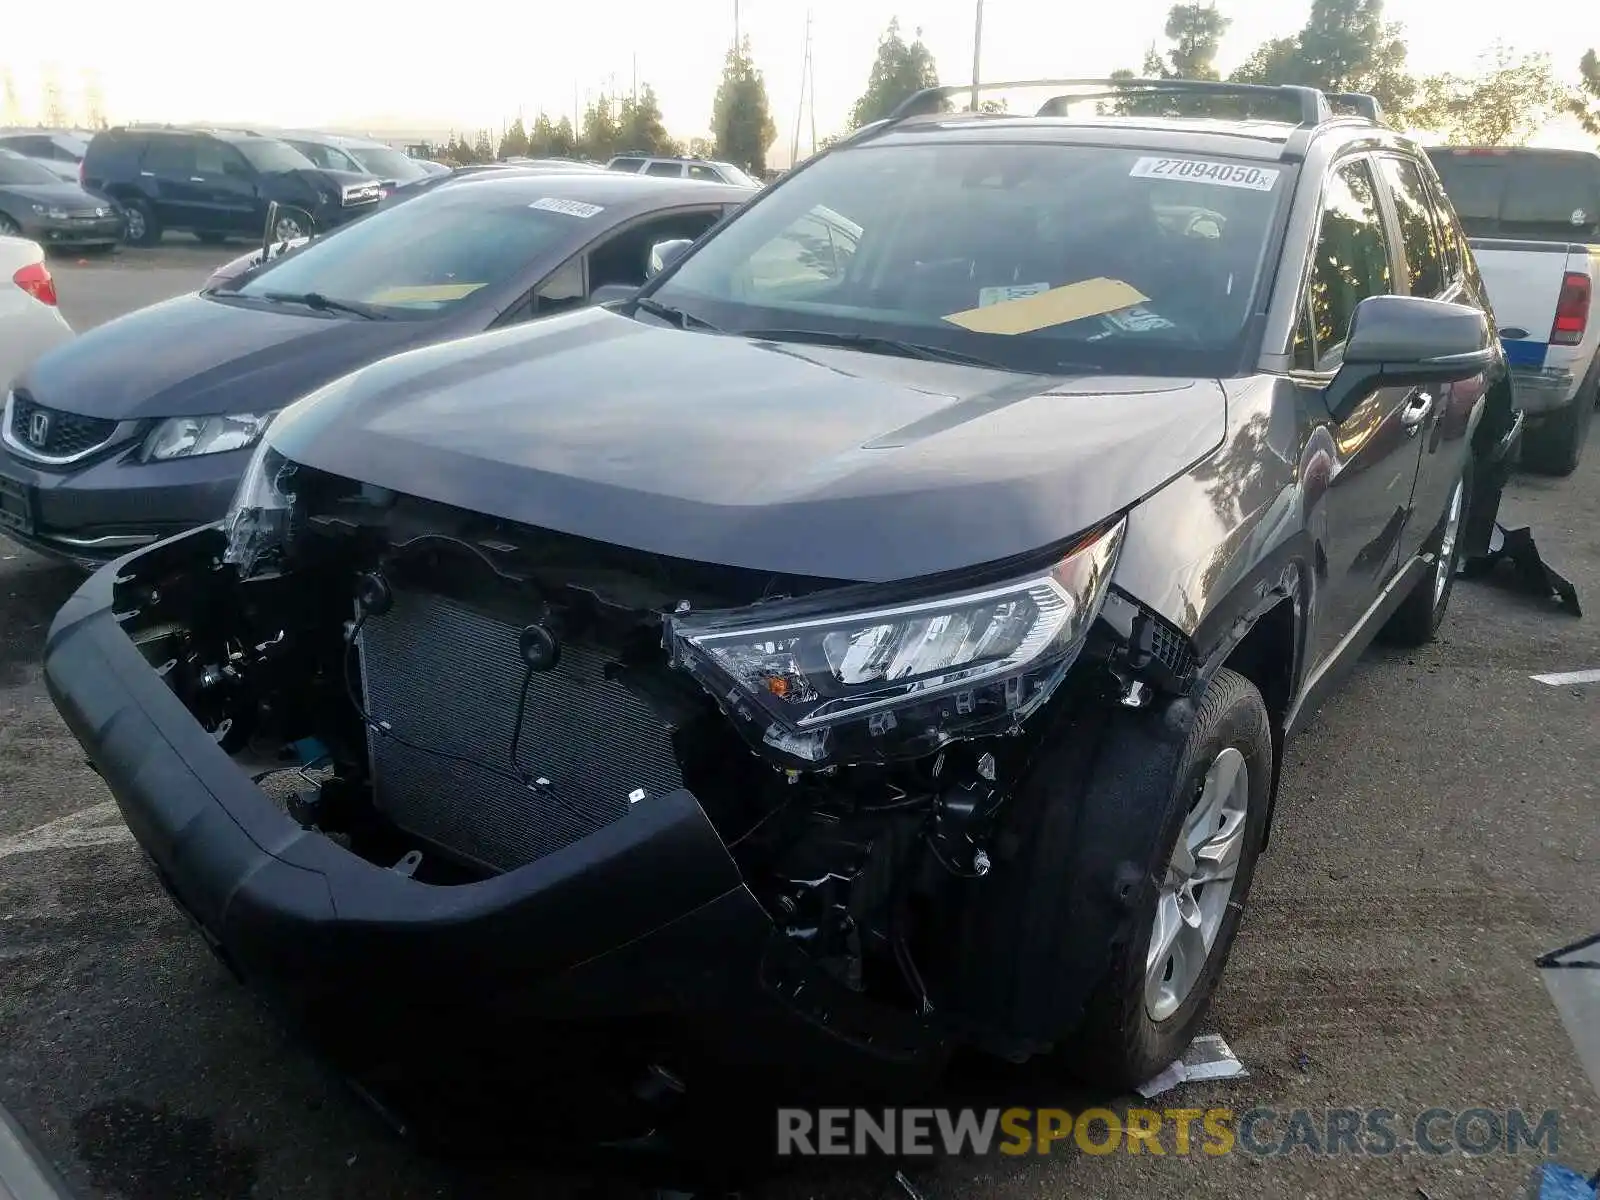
(321,303)
(873,343)
(676,315)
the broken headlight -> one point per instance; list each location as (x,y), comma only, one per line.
(258,520)
(894,680)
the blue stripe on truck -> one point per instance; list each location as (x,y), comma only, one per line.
(1526,354)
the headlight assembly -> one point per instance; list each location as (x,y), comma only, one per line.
(185,437)
(898,679)
(258,520)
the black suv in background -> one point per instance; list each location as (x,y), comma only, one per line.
(218,184)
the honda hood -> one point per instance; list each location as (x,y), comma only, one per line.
(194,356)
(799,460)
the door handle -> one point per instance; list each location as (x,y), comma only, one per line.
(148,174)
(1416,412)
(197,179)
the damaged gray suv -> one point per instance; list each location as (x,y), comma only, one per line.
(876,636)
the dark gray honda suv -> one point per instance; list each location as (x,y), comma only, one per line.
(876,635)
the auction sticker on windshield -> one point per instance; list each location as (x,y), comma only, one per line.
(1234,175)
(572,208)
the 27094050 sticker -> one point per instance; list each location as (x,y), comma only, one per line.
(1195,170)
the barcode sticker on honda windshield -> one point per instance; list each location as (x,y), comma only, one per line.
(1196,170)
(572,208)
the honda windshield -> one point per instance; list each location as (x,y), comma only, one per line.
(1039,258)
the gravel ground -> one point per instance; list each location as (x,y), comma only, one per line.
(1437,829)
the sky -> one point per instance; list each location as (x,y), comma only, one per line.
(477,63)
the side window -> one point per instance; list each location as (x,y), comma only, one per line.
(1418,228)
(1453,241)
(701,171)
(670,170)
(630,165)
(33,147)
(170,157)
(624,257)
(1351,260)
(563,290)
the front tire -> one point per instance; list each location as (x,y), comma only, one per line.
(142,228)
(1416,622)
(1190,898)
(8,227)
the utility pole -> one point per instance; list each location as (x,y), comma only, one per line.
(977,52)
(805,75)
(736,42)
(636,79)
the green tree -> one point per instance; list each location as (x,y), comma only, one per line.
(640,127)
(599,133)
(541,136)
(563,141)
(1503,104)
(1346,46)
(899,71)
(741,116)
(1195,31)
(483,147)
(514,143)
(1585,103)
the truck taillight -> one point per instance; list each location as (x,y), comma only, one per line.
(1572,310)
(35,279)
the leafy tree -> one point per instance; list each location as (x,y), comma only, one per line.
(640,127)
(1195,31)
(563,141)
(1503,104)
(701,147)
(515,141)
(741,117)
(1346,46)
(1585,104)
(599,133)
(899,71)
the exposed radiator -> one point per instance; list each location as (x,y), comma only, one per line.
(447,677)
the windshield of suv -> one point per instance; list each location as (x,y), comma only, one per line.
(424,257)
(733,174)
(16,169)
(386,163)
(266,155)
(1039,258)
(1534,194)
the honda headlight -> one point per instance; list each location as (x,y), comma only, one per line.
(898,679)
(259,519)
(185,437)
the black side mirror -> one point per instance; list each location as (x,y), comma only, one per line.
(613,293)
(1407,341)
(664,254)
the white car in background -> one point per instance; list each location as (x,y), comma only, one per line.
(30,322)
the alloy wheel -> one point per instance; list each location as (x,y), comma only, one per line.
(1193,900)
(1447,543)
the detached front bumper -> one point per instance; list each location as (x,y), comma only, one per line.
(638,943)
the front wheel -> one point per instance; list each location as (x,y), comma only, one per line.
(1191,896)
(1416,622)
(8,227)
(141,229)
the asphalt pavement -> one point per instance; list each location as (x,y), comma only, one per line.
(1439,826)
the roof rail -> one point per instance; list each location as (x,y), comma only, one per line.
(1312,103)
(1364,105)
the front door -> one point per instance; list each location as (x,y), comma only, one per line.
(1444,431)
(1371,458)
(232,196)
(170,177)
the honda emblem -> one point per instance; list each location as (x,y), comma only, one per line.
(39,429)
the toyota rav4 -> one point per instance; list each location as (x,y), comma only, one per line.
(876,635)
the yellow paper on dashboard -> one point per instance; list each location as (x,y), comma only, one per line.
(1058,306)
(423,293)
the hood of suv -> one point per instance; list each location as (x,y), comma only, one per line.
(194,356)
(794,459)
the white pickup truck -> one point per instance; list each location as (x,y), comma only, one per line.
(1532,217)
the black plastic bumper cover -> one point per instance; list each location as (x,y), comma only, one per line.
(645,923)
